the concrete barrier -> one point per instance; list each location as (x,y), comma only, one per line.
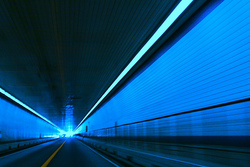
(160,154)
(10,146)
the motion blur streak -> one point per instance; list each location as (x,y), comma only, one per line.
(125,83)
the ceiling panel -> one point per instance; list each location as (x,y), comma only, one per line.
(59,56)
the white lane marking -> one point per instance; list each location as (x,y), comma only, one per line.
(101,155)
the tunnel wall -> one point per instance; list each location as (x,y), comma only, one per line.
(17,124)
(196,90)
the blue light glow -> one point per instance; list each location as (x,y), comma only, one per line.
(54,136)
(69,134)
(28,108)
(69,109)
(206,67)
(17,124)
(180,8)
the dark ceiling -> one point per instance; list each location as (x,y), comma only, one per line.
(59,56)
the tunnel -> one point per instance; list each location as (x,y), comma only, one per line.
(127,83)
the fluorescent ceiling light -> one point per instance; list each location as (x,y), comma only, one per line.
(179,9)
(28,108)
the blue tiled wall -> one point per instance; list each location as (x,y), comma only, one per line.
(208,66)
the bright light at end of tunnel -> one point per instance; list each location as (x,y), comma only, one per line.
(179,9)
(69,134)
(54,136)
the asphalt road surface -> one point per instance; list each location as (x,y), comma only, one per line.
(59,153)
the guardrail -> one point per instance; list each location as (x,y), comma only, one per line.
(7,147)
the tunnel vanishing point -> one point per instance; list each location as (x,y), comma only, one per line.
(101,83)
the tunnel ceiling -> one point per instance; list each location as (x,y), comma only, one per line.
(59,57)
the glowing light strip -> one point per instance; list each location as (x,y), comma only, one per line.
(180,8)
(27,107)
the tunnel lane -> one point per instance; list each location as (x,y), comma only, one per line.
(67,152)
(75,153)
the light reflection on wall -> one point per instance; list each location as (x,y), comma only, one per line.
(18,124)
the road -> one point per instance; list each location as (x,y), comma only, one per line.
(59,153)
